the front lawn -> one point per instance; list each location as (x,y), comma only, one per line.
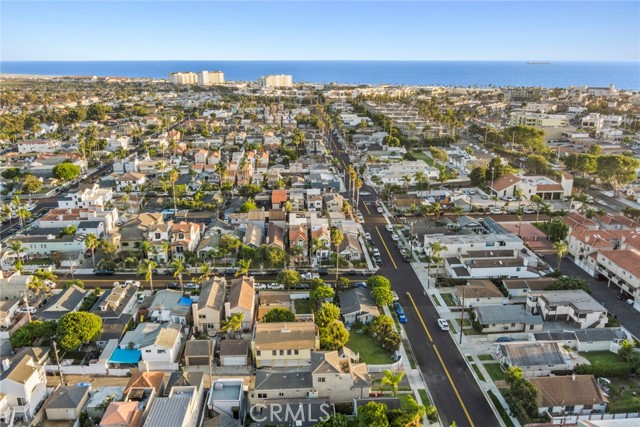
(448,299)
(599,358)
(624,396)
(370,351)
(302,306)
(478,373)
(485,357)
(495,371)
(503,412)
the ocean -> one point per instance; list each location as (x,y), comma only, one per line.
(624,75)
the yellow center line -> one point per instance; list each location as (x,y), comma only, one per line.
(367,208)
(386,248)
(446,371)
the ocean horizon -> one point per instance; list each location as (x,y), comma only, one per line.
(622,74)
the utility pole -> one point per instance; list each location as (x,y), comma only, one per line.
(462,314)
(26,301)
(55,352)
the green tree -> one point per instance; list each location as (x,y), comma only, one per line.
(373,414)
(26,335)
(333,336)
(626,350)
(320,294)
(521,395)
(337,420)
(173,178)
(66,171)
(557,231)
(561,249)
(243,267)
(31,184)
(233,324)
(336,239)
(97,112)
(536,164)
(248,206)
(327,313)
(569,283)
(289,278)
(530,138)
(250,190)
(92,243)
(375,281)
(11,173)
(586,164)
(439,154)
(76,328)
(279,314)
(146,267)
(617,170)
(177,267)
(382,295)
(74,282)
(392,379)
(478,176)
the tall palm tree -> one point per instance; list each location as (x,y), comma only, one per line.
(162,166)
(561,249)
(520,213)
(358,184)
(233,323)
(15,203)
(17,249)
(435,249)
(538,201)
(7,213)
(92,243)
(205,272)
(243,267)
(177,267)
(24,214)
(316,245)
(36,285)
(146,267)
(173,177)
(392,379)
(336,239)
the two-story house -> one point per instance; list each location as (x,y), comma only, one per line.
(185,236)
(284,344)
(299,242)
(208,312)
(159,345)
(242,299)
(130,182)
(574,306)
(24,386)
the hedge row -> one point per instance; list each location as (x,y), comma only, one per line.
(618,369)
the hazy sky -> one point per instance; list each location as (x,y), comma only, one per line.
(391,30)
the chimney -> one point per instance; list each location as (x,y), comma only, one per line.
(6,364)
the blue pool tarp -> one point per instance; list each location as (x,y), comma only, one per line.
(125,356)
(185,301)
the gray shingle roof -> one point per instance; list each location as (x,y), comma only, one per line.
(490,314)
(67,397)
(357,300)
(279,380)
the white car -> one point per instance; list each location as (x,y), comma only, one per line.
(395,237)
(260,286)
(389,227)
(444,325)
(132,283)
(368,236)
(116,283)
(31,310)
(380,210)
(395,296)
(496,211)
(365,193)
(191,286)
(275,286)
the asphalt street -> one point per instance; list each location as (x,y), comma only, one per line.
(455,392)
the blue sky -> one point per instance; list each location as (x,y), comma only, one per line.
(392,30)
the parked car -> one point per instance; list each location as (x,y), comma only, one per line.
(141,298)
(365,193)
(360,285)
(369,272)
(230,271)
(368,236)
(380,210)
(259,286)
(406,258)
(173,285)
(398,308)
(132,283)
(323,272)
(402,318)
(396,298)
(191,286)
(389,227)
(443,324)
(484,197)
(352,273)
(505,339)
(275,286)
(31,310)
(395,237)
(309,276)
(105,272)
(496,211)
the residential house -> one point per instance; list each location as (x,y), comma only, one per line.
(323,236)
(198,352)
(358,305)
(241,299)
(299,242)
(538,358)
(253,236)
(39,146)
(334,202)
(234,352)
(574,306)
(329,376)
(226,398)
(479,292)
(569,395)
(168,306)
(88,196)
(185,237)
(159,345)
(350,248)
(115,308)
(278,199)
(67,301)
(275,235)
(505,185)
(314,203)
(158,236)
(67,402)
(284,344)
(121,414)
(620,268)
(208,310)
(134,231)
(506,318)
(182,379)
(179,409)
(8,309)
(130,182)
(24,386)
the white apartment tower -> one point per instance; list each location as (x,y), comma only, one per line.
(207,78)
(276,80)
(189,78)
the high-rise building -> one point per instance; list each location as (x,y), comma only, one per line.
(207,78)
(276,80)
(188,78)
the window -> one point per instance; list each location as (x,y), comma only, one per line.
(147,351)
(280,394)
(162,351)
(258,353)
(513,324)
(22,401)
(179,249)
(274,353)
(322,379)
(281,352)
(202,316)
(262,395)
(288,352)
(158,235)
(296,352)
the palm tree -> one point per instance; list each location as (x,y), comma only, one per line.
(177,267)
(144,249)
(561,249)
(17,249)
(36,285)
(146,267)
(15,203)
(358,184)
(8,213)
(336,239)
(538,201)
(205,272)
(316,245)
(233,324)
(23,213)
(392,379)
(173,177)
(162,166)
(243,267)
(46,275)
(92,243)
(520,213)
(434,253)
